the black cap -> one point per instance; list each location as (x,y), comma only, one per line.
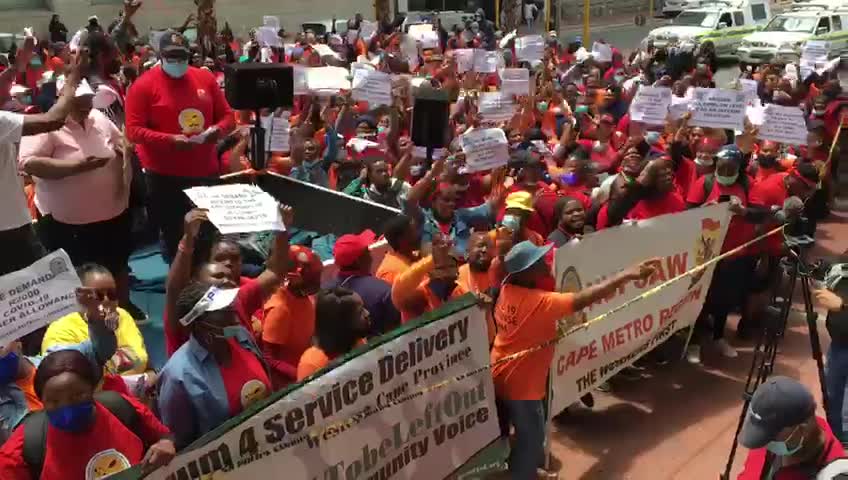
(778,403)
(173,41)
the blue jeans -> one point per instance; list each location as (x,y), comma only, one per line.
(528,451)
(836,377)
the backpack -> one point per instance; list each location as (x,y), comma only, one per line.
(709,182)
(35,428)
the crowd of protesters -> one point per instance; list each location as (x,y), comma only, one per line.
(113,129)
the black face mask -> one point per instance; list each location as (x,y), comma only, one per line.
(767,160)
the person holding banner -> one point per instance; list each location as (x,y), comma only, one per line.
(527,316)
(341,324)
(218,373)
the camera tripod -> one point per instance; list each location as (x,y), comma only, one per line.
(774,327)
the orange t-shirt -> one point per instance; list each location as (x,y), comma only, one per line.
(312,360)
(290,323)
(393,264)
(525,318)
(477,282)
(27,386)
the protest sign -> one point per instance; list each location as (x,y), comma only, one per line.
(238,208)
(718,108)
(515,81)
(277,132)
(327,80)
(749,87)
(464,59)
(300,82)
(678,107)
(155,38)
(271,21)
(755,112)
(485,61)
(495,107)
(588,357)
(783,124)
(33,297)
(529,48)
(342,423)
(268,36)
(601,52)
(373,87)
(484,148)
(814,51)
(367,29)
(429,40)
(650,105)
(419,30)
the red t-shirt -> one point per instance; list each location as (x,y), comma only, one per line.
(768,193)
(739,231)
(684,176)
(756,461)
(108,447)
(647,208)
(249,299)
(159,107)
(245,379)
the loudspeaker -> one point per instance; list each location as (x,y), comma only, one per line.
(430,118)
(253,86)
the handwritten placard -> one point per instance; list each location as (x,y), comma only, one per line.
(485,149)
(238,208)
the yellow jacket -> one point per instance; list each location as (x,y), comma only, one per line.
(72,329)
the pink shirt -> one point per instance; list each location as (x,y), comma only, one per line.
(88,197)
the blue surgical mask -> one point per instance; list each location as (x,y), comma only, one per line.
(36,61)
(9,368)
(72,418)
(231,331)
(511,222)
(726,180)
(175,69)
(381,129)
(652,138)
(542,106)
(780,448)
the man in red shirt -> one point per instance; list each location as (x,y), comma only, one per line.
(788,441)
(175,115)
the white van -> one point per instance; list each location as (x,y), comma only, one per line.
(781,40)
(721,24)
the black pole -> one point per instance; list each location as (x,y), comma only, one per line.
(257,143)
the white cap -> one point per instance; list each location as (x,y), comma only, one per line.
(213,300)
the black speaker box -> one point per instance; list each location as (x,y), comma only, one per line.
(430,118)
(253,86)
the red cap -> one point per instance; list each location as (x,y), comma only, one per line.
(349,248)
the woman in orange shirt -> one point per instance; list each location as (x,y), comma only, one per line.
(341,323)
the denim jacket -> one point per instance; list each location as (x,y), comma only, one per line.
(99,348)
(192,397)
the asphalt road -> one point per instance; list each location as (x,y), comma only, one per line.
(626,37)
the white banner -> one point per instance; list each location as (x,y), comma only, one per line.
(784,125)
(484,148)
(238,208)
(530,48)
(36,295)
(515,81)
(650,105)
(327,79)
(426,437)
(588,357)
(373,87)
(495,107)
(718,108)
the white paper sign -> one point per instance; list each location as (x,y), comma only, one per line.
(464,59)
(718,108)
(327,79)
(650,105)
(755,112)
(373,87)
(277,133)
(429,40)
(485,61)
(784,125)
(814,51)
(679,106)
(530,47)
(267,36)
(301,84)
(419,30)
(238,208)
(515,81)
(485,149)
(749,87)
(367,30)
(36,295)
(495,107)
(271,21)
(601,52)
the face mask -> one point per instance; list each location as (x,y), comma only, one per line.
(27,100)
(781,449)
(511,222)
(726,181)
(175,69)
(542,106)
(652,138)
(416,170)
(767,160)
(581,109)
(619,79)
(381,129)
(72,418)
(9,368)
(818,113)
(35,62)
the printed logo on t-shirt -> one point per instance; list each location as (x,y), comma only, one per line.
(252,392)
(105,463)
(201,93)
(192,121)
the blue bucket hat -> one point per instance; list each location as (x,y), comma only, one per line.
(523,256)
